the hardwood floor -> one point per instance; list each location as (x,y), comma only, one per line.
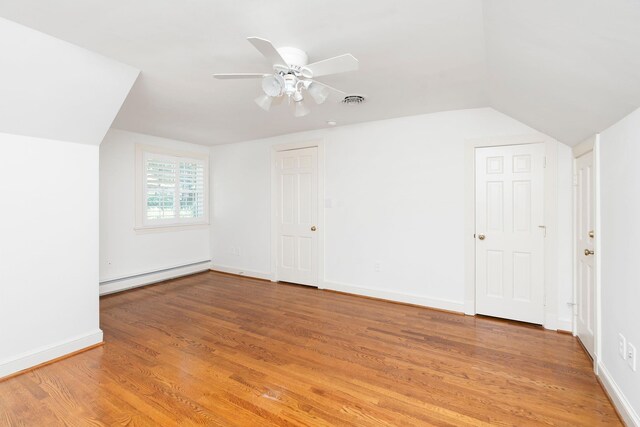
(215,349)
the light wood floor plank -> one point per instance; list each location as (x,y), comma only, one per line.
(216,349)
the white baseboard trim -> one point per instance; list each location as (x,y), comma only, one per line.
(241,272)
(565,325)
(134,281)
(357,290)
(626,411)
(438,303)
(44,354)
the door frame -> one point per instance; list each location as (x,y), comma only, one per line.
(550,217)
(275,149)
(591,144)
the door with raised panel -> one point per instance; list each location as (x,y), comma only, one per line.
(297,215)
(584,234)
(510,232)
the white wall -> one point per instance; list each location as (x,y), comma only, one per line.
(53,89)
(564,255)
(57,102)
(125,252)
(48,250)
(396,188)
(620,287)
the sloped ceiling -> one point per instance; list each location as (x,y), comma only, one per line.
(568,68)
(55,90)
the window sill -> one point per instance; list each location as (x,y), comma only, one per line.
(160,228)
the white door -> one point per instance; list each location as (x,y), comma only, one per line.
(297,215)
(510,232)
(585,271)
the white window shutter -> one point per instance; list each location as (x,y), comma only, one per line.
(160,188)
(174,189)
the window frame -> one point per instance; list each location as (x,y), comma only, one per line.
(142,223)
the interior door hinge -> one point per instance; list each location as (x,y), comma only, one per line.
(544,162)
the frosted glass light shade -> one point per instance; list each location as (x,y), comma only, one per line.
(301,109)
(264,102)
(297,96)
(318,92)
(273,84)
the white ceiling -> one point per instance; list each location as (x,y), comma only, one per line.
(569,68)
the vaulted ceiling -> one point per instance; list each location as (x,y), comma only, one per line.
(568,68)
(55,90)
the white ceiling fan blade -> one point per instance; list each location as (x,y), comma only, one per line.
(330,87)
(239,76)
(267,50)
(335,65)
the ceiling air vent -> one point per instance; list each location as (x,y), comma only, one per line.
(353,99)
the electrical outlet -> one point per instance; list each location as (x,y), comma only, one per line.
(376,266)
(622,346)
(631,356)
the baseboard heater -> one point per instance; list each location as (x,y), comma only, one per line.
(142,279)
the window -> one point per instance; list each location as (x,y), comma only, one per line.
(173,188)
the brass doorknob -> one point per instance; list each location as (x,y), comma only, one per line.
(313,228)
(481,236)
(588,252)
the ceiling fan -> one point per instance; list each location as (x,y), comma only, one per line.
(292,76)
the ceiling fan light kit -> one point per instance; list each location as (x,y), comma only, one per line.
(318,92)
(264,102)
(301,109)
(293,76)
(273,85)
